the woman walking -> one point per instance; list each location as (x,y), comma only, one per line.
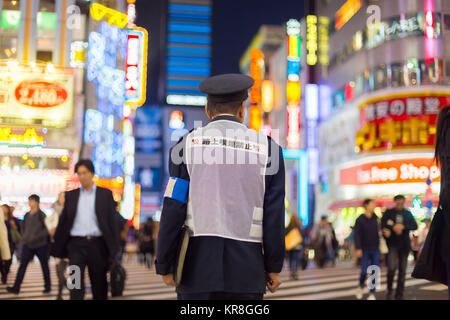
(442,155)
(13,236)
(294,253)
(5,253)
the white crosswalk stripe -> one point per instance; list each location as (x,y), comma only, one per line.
(143,284)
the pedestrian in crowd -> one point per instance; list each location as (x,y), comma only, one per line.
(5,253)
(122,229)
(322,241)
(415,245)
(230,255)
(36,240)
(397,224)
(367,242)
(422,235)
(351,243)
(296,254)
(87,232)
(140,239)
(333,253)
(52,222)
(147,243)
(13,230)
(442,155)
(17,244)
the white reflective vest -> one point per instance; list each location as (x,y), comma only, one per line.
(226,163)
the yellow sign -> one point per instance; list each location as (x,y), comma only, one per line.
(114,17)
(324,47)
(395,133)
(346,12)
(29,138)
(311,40)
(267,95)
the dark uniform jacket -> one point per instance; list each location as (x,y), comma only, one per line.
(389,219)
(217,263)
(105,209)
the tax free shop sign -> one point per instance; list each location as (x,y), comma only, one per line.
(396,171)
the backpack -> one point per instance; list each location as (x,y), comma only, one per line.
(118,276)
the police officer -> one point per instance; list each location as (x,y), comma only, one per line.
(227,185)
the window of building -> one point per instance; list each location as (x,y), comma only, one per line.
(430,74)
(447,21)
(9,28)
(412,72)
(359,85)
(447,68)
(380,77)
(47,22)
(397,78)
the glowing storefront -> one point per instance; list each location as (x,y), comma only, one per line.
(387,85)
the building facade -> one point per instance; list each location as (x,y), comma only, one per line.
(387,79)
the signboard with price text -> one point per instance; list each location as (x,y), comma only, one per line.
(36,93)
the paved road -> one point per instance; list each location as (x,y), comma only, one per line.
(313,284)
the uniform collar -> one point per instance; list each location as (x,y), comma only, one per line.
(229,117)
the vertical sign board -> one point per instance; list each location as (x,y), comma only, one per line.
(312,117)
(256,72)
(293,87)
(136,67)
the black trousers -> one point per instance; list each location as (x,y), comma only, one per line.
(27,256)
(92,253)
(220,296)
(397,260)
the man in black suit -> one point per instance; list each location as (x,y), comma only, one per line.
(87,232)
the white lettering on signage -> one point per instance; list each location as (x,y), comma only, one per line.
(407,172)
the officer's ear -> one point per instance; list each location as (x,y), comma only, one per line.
(207,112)
(241,112)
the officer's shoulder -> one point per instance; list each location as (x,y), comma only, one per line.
(183,138)
(273,145)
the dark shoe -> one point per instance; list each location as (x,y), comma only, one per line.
(398,297)
(389,295)
(47,291)
(59,297)
(12,290)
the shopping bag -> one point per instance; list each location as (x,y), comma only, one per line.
(293,239)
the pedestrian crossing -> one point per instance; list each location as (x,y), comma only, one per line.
(337,283)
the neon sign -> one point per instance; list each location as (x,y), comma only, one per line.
(256,72)
(324,47)
(311,40)
(136,67)
(78,54)
(346,12)
(267,95)
(399,122)
(293,88)
(114,17)
(30,138)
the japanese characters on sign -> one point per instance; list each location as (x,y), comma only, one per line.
(136,70)
(399,122)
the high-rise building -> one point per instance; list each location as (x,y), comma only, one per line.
(188,55)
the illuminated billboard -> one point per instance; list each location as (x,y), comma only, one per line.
(30,93)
